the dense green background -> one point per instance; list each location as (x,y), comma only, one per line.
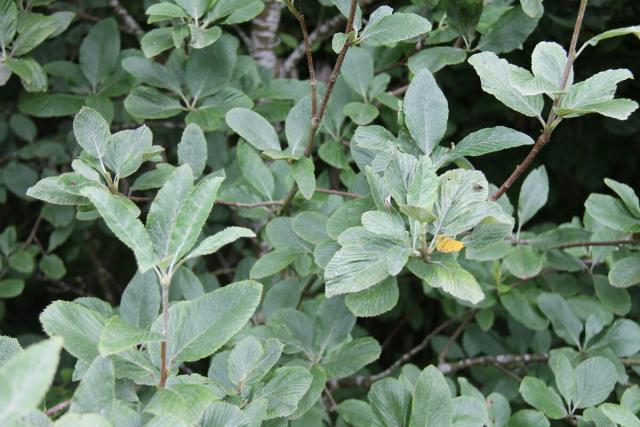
(581,154)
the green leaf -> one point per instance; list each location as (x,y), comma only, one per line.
(614,299)
(626,194)
(595,95)
(119,335)
(463,16)
(390,400)
(50,105)
(625,272)
(426,111)
(469,411)
(253,128)
(164,10)
(22,261)
(633,30)
(356,412)
(620,415)
(96,391)
(152,73)
(192,149)
(311,226)
(487,141)
(192,215)
(92,132)
(149,103)
(8,22)
(509,32)
(450,277)
(303,173)
(156,41)
(460,204)
(250,360)
(595,380)
(255,171)
(357,70)
(376,300)
(140,302)
(528,418)
(298,125)
(33,29)
(623,338)
(9,347)
(11,288)
(100,51)
(533,194)
(350,357)
(33,77)
(612,212)
(274,262)
(202,38)
(536,393)
(284,390)
(165,208)
(496,78)
(208,70)
(25,379)
(79,326)
(364,260)
(523,310)
(52,266)
(432,404)
(393,28)
(436,58)
(532,8)
(548,62)
(524,262)
(118,216)
(213,243)
(125,153)
(565,323)
(360,113)
(195,8)
(199,327)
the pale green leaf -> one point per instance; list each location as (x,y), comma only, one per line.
(533,194)
(489,140)
(495,77)
(253,128)
(26,377)
(213,243)
(199,327)
(432,403)
(192,149)
(124,224)
(595,379)
(119,335)
(284,390)
(625,272)
(426,111)
(350,357)
(536,393)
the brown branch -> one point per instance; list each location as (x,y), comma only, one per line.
(317,118)
(299,15)
(164,369)
(57,408)
(34,230)
(598,243)
(129,22)
(552,120)
(247,205)
(365,381)
(338,193)
(465,320)
(501,359)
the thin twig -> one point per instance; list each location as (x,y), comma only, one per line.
(299,15)
(129,22)
(164,369)
(34,230)
(57,408)
(365,381)
(247,205)
(598,243)
(552,120)
(339,193)
(317,118)
(502,359)
(465,320)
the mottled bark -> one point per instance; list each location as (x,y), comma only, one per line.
(264,35)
